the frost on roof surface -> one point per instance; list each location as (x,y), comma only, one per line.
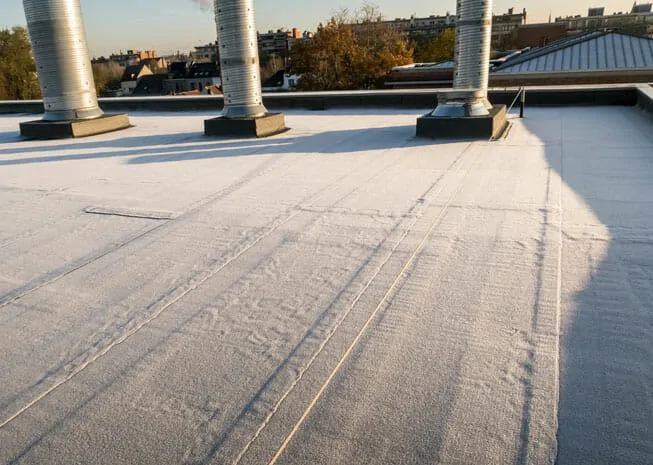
(370,297)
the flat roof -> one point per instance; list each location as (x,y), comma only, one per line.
(340,293)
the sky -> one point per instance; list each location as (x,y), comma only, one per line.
(171,25)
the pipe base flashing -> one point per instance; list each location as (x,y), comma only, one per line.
(491,126)
(261,126)
(42,129)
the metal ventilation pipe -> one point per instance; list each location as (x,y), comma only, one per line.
(472,49)
(59,46)
(239,61)
(465,111)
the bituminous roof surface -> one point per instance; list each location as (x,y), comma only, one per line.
(340,294)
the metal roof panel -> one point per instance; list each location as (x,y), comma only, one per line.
(596,51)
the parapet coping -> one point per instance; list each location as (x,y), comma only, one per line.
(645,97)
(613,94)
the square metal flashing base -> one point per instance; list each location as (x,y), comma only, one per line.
(76,128)
(261,126)
(491,126)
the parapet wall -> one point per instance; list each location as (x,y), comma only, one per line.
(625,95)
(645,98)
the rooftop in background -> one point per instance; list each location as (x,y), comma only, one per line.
(133,57)
(134,72)
(590,58)
(170,298)
(642,8)
(594,51)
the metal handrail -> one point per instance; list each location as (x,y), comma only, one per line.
(522,104)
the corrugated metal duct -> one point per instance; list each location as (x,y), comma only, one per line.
(59,46)
(472,47)
(239,61)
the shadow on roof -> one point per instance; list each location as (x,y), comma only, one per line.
(194,146)
(76,144)
(606,404)
(9,136)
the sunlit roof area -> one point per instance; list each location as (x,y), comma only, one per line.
(341,293)
(326,238)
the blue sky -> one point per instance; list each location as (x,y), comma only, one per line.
(170,25)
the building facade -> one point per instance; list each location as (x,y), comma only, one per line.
(415,28)
(505,26)
(433,26)
(638,21)
(538,35)
(133,57)
(206,53)
(132,76)
(200,77)
(278,43)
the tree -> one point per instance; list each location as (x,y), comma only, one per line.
(18,79)
(381,47)
(327,61)
(350,52)
(436,50)
(107,76)
(271,66)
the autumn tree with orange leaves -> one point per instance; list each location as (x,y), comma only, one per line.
(350,52)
